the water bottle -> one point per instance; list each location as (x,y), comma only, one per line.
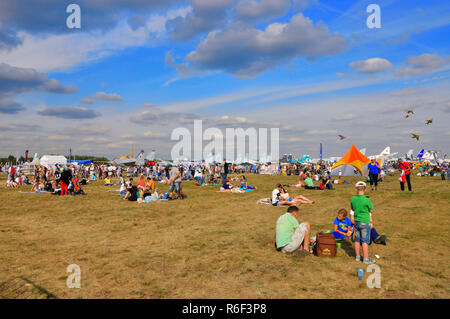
(360,273)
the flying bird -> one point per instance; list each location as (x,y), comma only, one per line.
(415,136)
(342,137)
(428,122)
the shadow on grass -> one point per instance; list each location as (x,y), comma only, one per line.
(347,246)
(17,288)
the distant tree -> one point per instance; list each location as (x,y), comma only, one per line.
(12,159)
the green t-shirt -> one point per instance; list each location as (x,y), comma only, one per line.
(286,225)
(362,206)
(309,182)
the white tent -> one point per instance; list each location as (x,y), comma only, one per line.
(50,160)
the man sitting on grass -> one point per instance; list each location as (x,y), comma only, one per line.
(290,235)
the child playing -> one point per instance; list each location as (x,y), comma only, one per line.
(342,225)
(361,217)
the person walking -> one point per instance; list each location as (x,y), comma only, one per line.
(373,169)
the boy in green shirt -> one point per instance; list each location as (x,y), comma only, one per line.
(361,217)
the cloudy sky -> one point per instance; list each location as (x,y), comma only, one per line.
(137,69)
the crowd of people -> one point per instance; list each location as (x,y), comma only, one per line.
(290,235)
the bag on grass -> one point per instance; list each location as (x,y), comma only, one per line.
(325,245)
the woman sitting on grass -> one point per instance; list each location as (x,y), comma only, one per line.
(37,184)
(280,197)
(244,183)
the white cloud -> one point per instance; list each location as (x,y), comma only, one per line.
(65,51)
(372,65)
(422,64)
(112,97)
(246,52)
(156,135)
(322,132)
(405,91)
(345,117)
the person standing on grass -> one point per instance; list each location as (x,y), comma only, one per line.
(174,182)
(373,169)
(224,171)
(291,236)
(361,218)
(405,175)
(64,180)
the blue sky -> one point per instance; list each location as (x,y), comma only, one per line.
(138,69)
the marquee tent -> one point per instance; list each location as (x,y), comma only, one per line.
(351,161)
(50,160)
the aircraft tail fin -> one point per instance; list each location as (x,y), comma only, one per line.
(386,151)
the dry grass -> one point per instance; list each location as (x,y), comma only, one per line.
(214,245)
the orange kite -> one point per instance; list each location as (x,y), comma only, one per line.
(353,157)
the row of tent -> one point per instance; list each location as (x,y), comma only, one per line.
(352,161)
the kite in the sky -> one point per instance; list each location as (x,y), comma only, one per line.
(342,137)
(428,122)
(408,113)
(415,136)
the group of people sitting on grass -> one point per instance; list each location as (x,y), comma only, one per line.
(291,236)
(305,180)
(241,183)
(146,191)
(63,183)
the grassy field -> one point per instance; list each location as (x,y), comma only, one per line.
(214,245)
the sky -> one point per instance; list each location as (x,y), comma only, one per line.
(138,69)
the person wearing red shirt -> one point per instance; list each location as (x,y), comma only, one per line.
(405,175)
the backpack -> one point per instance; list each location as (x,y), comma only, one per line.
(325,245)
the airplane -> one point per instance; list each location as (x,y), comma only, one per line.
(420,155)
(409,155)
(124,160)
(431,156)
(385,154)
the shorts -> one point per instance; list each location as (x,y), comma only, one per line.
(175,185)
(276,204)
(296,239)
(362,233)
